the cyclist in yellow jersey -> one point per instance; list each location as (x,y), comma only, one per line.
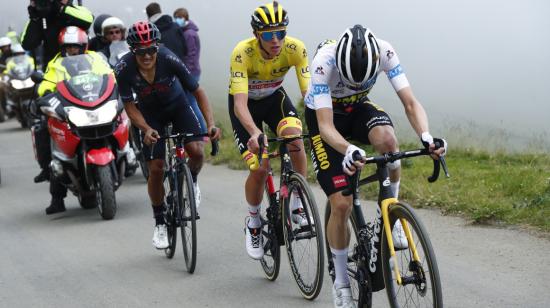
(258,67)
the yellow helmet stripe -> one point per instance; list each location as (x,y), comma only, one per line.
(271,12)
(262,14)
(280,9)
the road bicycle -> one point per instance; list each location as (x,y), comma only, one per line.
(410,275)
(304,243)
(179,193)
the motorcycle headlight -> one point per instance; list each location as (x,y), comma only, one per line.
(17,84)
(102,115)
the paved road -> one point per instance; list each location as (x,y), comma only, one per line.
(75,259)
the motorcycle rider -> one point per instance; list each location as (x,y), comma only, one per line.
(5,47)
(47,18)
(73,41)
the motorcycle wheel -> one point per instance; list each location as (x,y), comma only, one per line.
(105,192)
(87,200)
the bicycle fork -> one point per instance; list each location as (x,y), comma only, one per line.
(385,204)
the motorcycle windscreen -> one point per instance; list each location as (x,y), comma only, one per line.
(20,67)
(117,49)
(85,77)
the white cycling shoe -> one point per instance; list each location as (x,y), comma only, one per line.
(341,297)
(399,238)
(254,241)
(160,237)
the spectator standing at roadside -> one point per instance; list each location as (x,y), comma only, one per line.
(191,35)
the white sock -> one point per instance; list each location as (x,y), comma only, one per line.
(254,213)
(395,188)
(340,259)
(295,202)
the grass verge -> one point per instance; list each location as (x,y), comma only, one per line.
(486,188)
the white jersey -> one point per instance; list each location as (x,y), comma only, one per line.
(326,87)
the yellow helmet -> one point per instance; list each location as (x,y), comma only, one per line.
(269,15)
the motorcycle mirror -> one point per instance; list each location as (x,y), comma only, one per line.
(37,76)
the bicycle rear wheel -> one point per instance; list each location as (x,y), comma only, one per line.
(421,284)
(171,214)
(188,216)
(358,273)
(271,261)
(304,243)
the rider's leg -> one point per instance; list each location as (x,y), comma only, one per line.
(195,150)
(155,188)
(254,191)
(383,140)
(338,235)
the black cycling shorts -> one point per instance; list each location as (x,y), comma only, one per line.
(183,119)
(356,124)
(270,110)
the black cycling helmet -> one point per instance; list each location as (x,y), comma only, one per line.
(357,56)
(98,21)
(143,33)
(269,15)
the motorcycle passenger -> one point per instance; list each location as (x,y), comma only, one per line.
(159,79)
(73,41)
(112,30)
(97,42)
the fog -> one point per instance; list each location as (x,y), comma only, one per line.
(478,67)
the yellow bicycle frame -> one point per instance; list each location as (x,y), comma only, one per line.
(385,205)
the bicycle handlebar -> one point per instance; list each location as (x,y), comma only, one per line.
(391,157)
(215,143)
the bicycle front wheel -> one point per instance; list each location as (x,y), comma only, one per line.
(303,237)
(421,286)
(170,215)
(188,216)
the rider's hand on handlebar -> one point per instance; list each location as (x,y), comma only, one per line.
(430,142)
(351,165)
(151,136)
(215,133)
(252,143)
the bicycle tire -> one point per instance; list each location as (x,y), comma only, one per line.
(171,214)
(294,234)
(188,216)
(271,261)
(357,266)
(418,272)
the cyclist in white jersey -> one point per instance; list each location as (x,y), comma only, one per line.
(337,107)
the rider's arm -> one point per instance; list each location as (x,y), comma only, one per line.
(301,65)
(136,117)
(50,78)
(75,15)
(204,106)
(32,35)
(328,131)
(414,110)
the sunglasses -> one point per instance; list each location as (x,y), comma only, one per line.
(151,50)
(268,35)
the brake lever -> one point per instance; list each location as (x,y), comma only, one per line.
(261,148)
(444,165)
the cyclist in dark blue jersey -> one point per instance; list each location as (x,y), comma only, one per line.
(159,79)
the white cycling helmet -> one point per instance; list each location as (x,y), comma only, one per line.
(357,56)
(17,48)
(5,41)
(112,22)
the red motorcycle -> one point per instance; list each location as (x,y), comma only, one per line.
(89,132)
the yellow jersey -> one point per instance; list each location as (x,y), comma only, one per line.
(259,77)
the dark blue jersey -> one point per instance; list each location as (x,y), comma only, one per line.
(167,90)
